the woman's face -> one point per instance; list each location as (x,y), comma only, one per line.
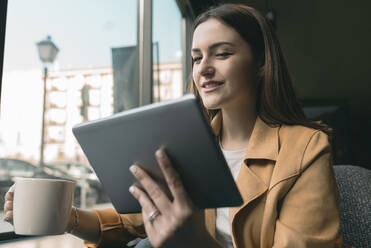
(224,70)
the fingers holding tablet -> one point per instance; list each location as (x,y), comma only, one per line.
(151,188)
(162,217)
(172,178)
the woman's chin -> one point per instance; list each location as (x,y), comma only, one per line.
(212,103)
(209,106)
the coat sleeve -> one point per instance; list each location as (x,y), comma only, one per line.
(308,215)
(117,230)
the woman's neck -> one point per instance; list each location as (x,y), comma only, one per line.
(237,126)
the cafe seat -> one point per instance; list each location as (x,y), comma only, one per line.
(354,185)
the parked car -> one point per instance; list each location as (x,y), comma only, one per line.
(82,174)
(11,168)
(88,190)
(75,169)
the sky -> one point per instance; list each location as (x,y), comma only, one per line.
(84,31)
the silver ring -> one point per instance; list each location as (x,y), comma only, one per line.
(153,215)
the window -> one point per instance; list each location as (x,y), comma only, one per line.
(90,78)
(95,74)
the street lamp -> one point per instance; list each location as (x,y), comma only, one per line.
(47,52)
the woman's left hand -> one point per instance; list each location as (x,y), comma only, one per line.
(167,221)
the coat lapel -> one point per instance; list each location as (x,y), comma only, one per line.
(263,144)
(250,187)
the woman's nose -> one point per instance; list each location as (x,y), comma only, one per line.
(206,68)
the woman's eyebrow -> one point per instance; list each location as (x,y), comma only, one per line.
(213,46)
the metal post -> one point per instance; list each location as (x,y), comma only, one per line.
(158,71)
(186,51)
(43,120)
(145,52)
(84,186)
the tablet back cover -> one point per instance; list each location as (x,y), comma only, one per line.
(113,144)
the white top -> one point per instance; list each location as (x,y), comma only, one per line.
(223,230)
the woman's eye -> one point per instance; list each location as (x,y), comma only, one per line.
(196,59)
(223,55)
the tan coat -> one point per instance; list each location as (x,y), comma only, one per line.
(289,192)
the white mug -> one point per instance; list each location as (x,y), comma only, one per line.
(42,206)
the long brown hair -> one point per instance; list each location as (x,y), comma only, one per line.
(276,101)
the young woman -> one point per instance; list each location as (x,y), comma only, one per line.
(281,161)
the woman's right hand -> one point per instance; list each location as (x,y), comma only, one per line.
(8,205)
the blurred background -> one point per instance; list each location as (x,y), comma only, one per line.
(67,62)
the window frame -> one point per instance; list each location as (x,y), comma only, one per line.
(3,11)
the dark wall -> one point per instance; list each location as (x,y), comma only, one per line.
(327,45)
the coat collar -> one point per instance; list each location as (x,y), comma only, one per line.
(264,140)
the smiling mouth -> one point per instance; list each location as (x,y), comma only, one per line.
(211,84)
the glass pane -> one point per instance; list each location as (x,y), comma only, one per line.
(167,53)
(93,76)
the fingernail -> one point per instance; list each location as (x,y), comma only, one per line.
(160,153)
(131,189)
(133,169)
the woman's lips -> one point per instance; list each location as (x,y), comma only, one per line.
(213,88)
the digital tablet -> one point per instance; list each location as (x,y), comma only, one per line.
(113,144)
